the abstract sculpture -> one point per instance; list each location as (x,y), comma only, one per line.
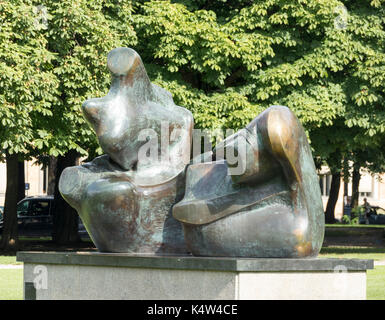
(272,209)
(125,200)
(266,204)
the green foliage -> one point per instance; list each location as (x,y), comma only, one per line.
(227,65)
(50,64)
(354,217)
(357,211)
(226,61)
(27,87)
(345,219)
(80,34)
(350,220)
(238,62)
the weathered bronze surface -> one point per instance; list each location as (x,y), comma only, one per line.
(125,200)
(272,209)
(134,203)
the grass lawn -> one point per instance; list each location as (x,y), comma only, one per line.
(11,284)
(9,260)
(353,253)
(375,286)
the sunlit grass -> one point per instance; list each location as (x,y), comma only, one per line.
(11,284)
(353,253)
(9,260)
(376,283)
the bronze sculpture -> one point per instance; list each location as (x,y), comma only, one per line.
(132,202)
(272,209)
(125,200)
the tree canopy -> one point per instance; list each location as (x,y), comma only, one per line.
(226,61)
(28,89)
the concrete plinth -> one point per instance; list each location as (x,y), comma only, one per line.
(61,275)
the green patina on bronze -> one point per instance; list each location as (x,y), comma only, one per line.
(273,208)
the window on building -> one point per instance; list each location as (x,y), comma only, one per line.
(366,194)
(45,169)
(325,181)
(366,186)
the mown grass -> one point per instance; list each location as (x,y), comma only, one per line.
(9,260)
(11,284)
(376,283)
(353,253)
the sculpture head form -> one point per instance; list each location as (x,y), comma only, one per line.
(121,61)
(132,105)
(118,193)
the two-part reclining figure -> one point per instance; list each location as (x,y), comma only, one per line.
(130,201)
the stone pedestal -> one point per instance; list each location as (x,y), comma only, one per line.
(63,275)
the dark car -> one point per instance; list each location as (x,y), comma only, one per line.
(35,218)
(376,215)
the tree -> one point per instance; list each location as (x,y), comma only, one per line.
(371,158)
(20,180)
(53,59)
(65,226)
(79,35)
(227,62)
(9,240)
(27,90)
(52,171)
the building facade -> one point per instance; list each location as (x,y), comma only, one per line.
(36,180)
(372,187)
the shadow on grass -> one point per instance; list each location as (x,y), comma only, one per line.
(359,250)
(355,226)
(46,244)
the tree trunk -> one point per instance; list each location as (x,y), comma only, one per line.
(355,186)
(346,180)
(66,219)
(333,197)
(20,181)
(51,175)
(10,239)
